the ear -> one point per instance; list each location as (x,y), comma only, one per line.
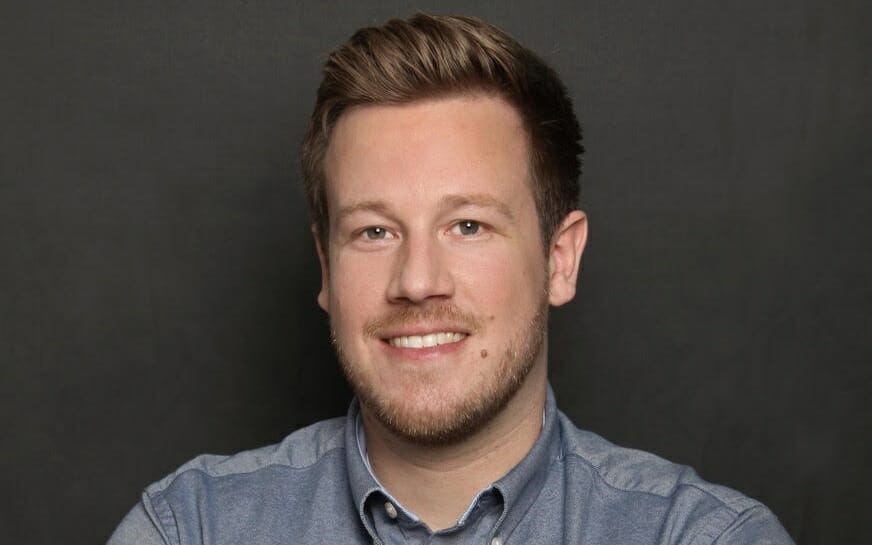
(564,259)
(324,294)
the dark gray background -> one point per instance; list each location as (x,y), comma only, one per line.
(157,278)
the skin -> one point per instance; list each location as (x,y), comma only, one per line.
(433,228)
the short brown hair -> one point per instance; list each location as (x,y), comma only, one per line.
(429,56)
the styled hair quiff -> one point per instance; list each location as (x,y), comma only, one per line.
(430,56)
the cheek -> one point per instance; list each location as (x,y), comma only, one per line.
(356,286)
(507,277)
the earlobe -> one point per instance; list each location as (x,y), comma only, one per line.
(323,294)
(564,260)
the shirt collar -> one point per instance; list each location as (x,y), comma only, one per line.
(519,488)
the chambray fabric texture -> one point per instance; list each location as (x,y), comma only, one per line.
(315,487)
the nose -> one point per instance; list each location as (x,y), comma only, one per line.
(421,272)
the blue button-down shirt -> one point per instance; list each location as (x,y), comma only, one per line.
(316,487)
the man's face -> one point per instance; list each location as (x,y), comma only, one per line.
(435,280)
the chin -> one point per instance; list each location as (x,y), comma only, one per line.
(428,412)
(436,426)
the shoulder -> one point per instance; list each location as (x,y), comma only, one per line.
(671,495)
(242,496)
(302,449)
(636,471)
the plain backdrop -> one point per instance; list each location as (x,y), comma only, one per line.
(158,280)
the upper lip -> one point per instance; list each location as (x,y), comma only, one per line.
(421,330)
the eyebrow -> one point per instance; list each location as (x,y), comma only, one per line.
(480,200)
(379,207)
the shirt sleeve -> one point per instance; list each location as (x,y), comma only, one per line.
(756,526)
(137,529)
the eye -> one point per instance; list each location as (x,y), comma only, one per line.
(375,233)
(468,227)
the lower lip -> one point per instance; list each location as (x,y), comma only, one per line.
(420,354)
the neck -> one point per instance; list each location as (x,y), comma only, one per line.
(438,483)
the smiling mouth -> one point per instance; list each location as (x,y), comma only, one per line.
(426,341)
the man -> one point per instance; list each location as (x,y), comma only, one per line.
(441,165)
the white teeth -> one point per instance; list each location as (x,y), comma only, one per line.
(426,341)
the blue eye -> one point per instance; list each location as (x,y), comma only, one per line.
(375,233)
(468,227)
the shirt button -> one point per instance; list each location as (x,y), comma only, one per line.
(391,510)
(496,541)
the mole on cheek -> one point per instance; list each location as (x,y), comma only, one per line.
(483,353)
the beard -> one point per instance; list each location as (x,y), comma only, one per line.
(425,413)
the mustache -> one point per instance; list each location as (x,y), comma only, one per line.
(443,313)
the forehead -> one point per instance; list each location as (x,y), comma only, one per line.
(470,142)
